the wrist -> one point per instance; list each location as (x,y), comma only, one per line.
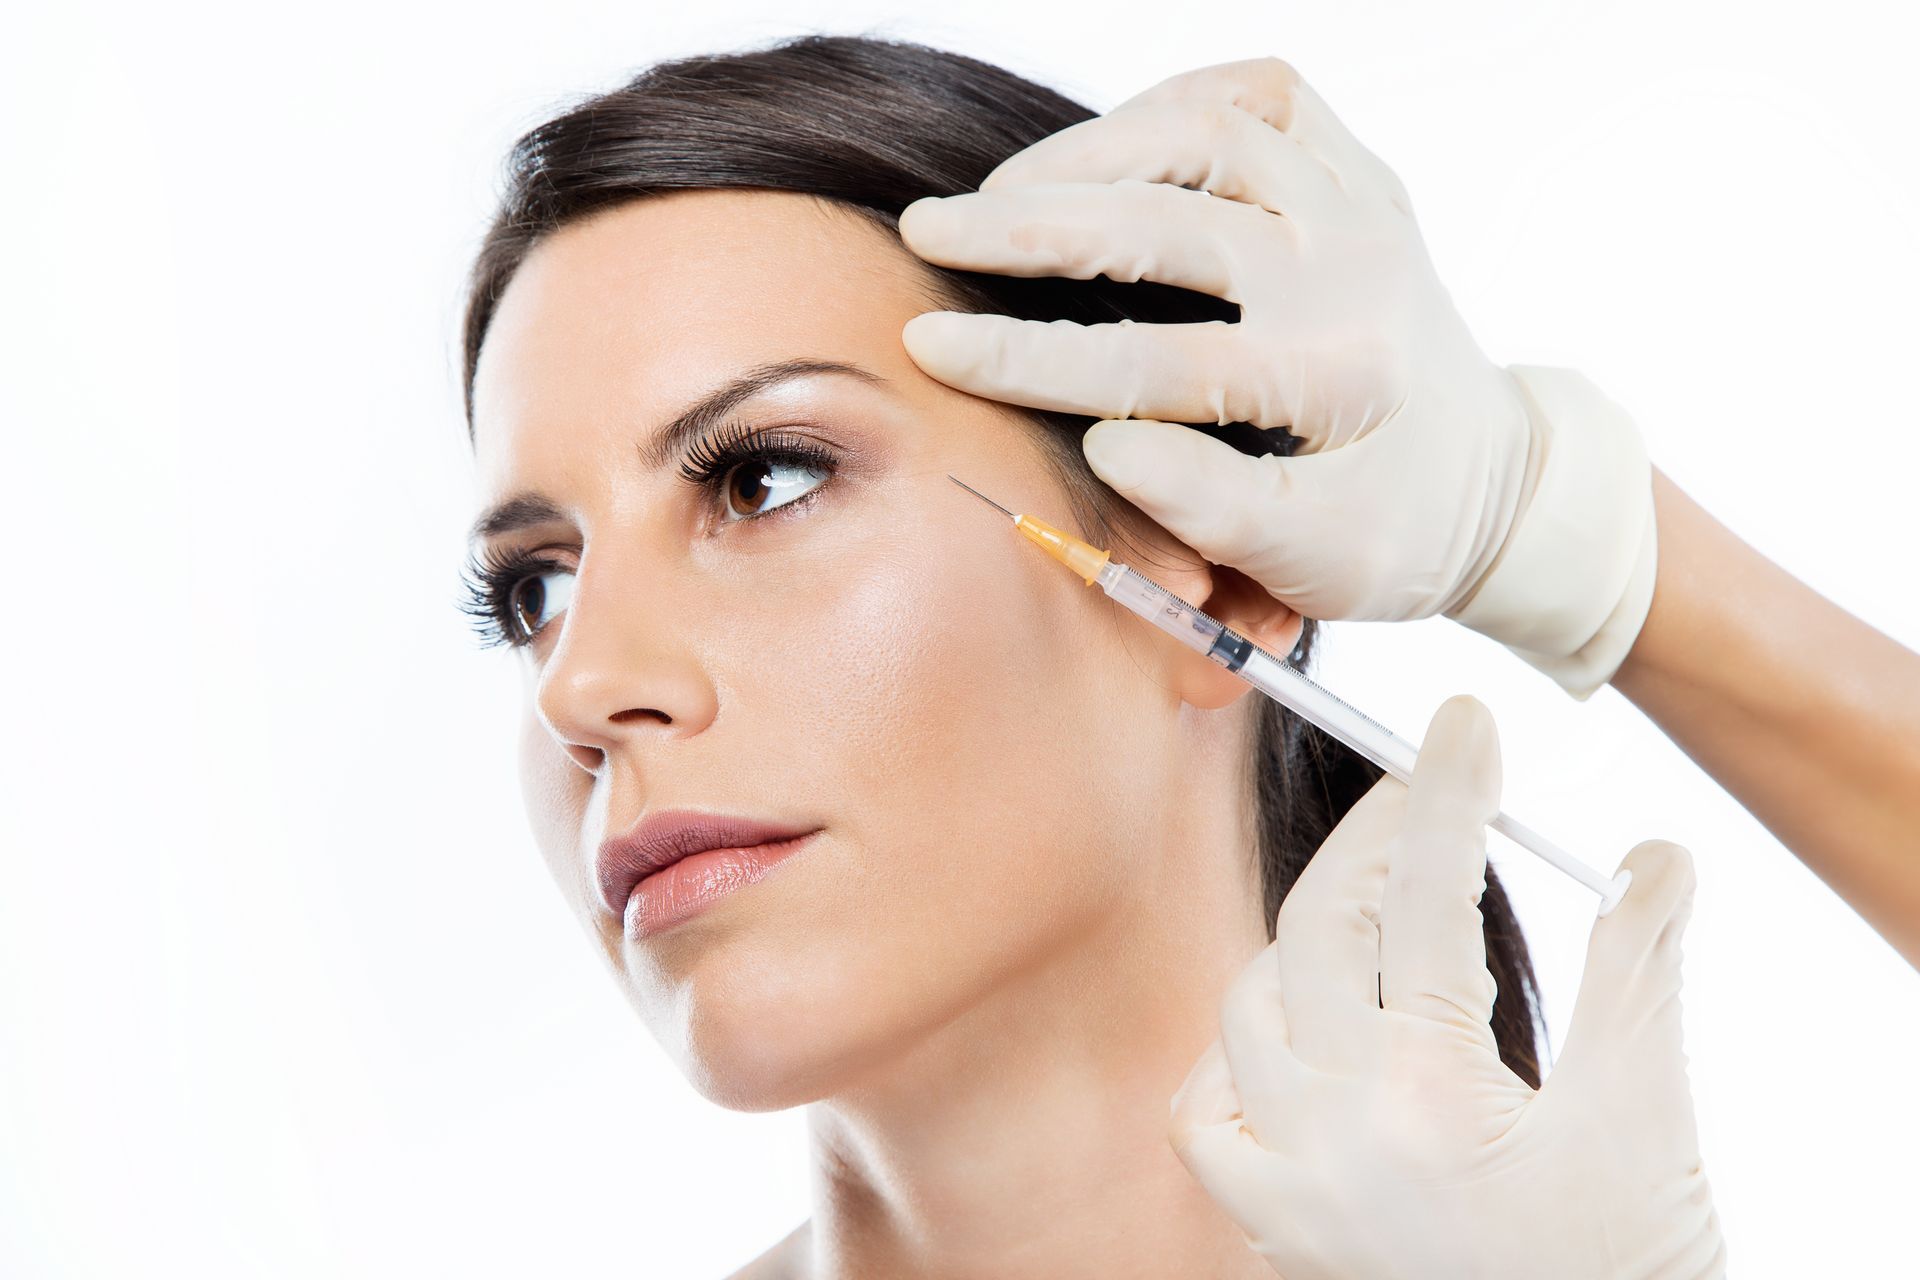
(1571,588)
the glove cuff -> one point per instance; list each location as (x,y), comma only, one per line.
(1571,588)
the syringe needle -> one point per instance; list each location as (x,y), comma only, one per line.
(983,497)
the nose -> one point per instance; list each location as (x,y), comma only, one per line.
(626,667)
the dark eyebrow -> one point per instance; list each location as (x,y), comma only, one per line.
(523,510)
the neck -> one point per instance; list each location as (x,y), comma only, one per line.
(1028,1137)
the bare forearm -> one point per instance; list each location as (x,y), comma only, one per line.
(1808,717)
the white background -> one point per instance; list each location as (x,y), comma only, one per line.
(284,989)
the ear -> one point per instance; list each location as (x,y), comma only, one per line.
(1231,597)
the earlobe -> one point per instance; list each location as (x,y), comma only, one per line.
(1250,609)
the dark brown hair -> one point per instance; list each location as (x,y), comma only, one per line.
(873,125)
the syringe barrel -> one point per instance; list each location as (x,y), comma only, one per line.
(1144,596)
(1263,670)
(1272,676)
(1338,717)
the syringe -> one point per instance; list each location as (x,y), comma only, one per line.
(1273,677)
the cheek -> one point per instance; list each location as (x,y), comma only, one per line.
(963,722)
(944,742)
(953,722)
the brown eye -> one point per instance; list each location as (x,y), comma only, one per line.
(534,605)
(757,487)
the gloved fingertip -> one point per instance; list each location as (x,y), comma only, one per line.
(1461,752)
(926,222)
(1008,171)
(933,337)
(1467,721)
(1641,936)
(1114,451)
(928,325)
(1206,1096)
(1661,895)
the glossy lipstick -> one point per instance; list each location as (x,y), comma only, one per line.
(675,863)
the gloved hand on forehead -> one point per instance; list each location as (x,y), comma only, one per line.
(1355,1118)
(1429,480)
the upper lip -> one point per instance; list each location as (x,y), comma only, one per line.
(662,839)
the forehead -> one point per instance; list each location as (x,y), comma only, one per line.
(622,319)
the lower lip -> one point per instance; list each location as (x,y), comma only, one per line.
(694,883)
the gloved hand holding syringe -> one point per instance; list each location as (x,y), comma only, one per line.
(1267,673)
(1355,1117)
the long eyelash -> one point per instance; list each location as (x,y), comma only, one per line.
(487,582)
(708,462)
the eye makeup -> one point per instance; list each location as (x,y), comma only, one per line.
(494,582)
(736,442)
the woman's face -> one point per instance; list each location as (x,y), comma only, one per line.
(864,649)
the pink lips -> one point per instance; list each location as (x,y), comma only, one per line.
(675,863)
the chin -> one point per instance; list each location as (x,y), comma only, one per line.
(770,1039)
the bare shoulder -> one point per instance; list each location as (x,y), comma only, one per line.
(786,1260)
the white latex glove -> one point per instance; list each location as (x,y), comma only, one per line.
(1430,481)
(1356,1131)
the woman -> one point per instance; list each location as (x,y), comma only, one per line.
(1004,880)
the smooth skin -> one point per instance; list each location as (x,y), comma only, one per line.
(1034,875)
(1805,714)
